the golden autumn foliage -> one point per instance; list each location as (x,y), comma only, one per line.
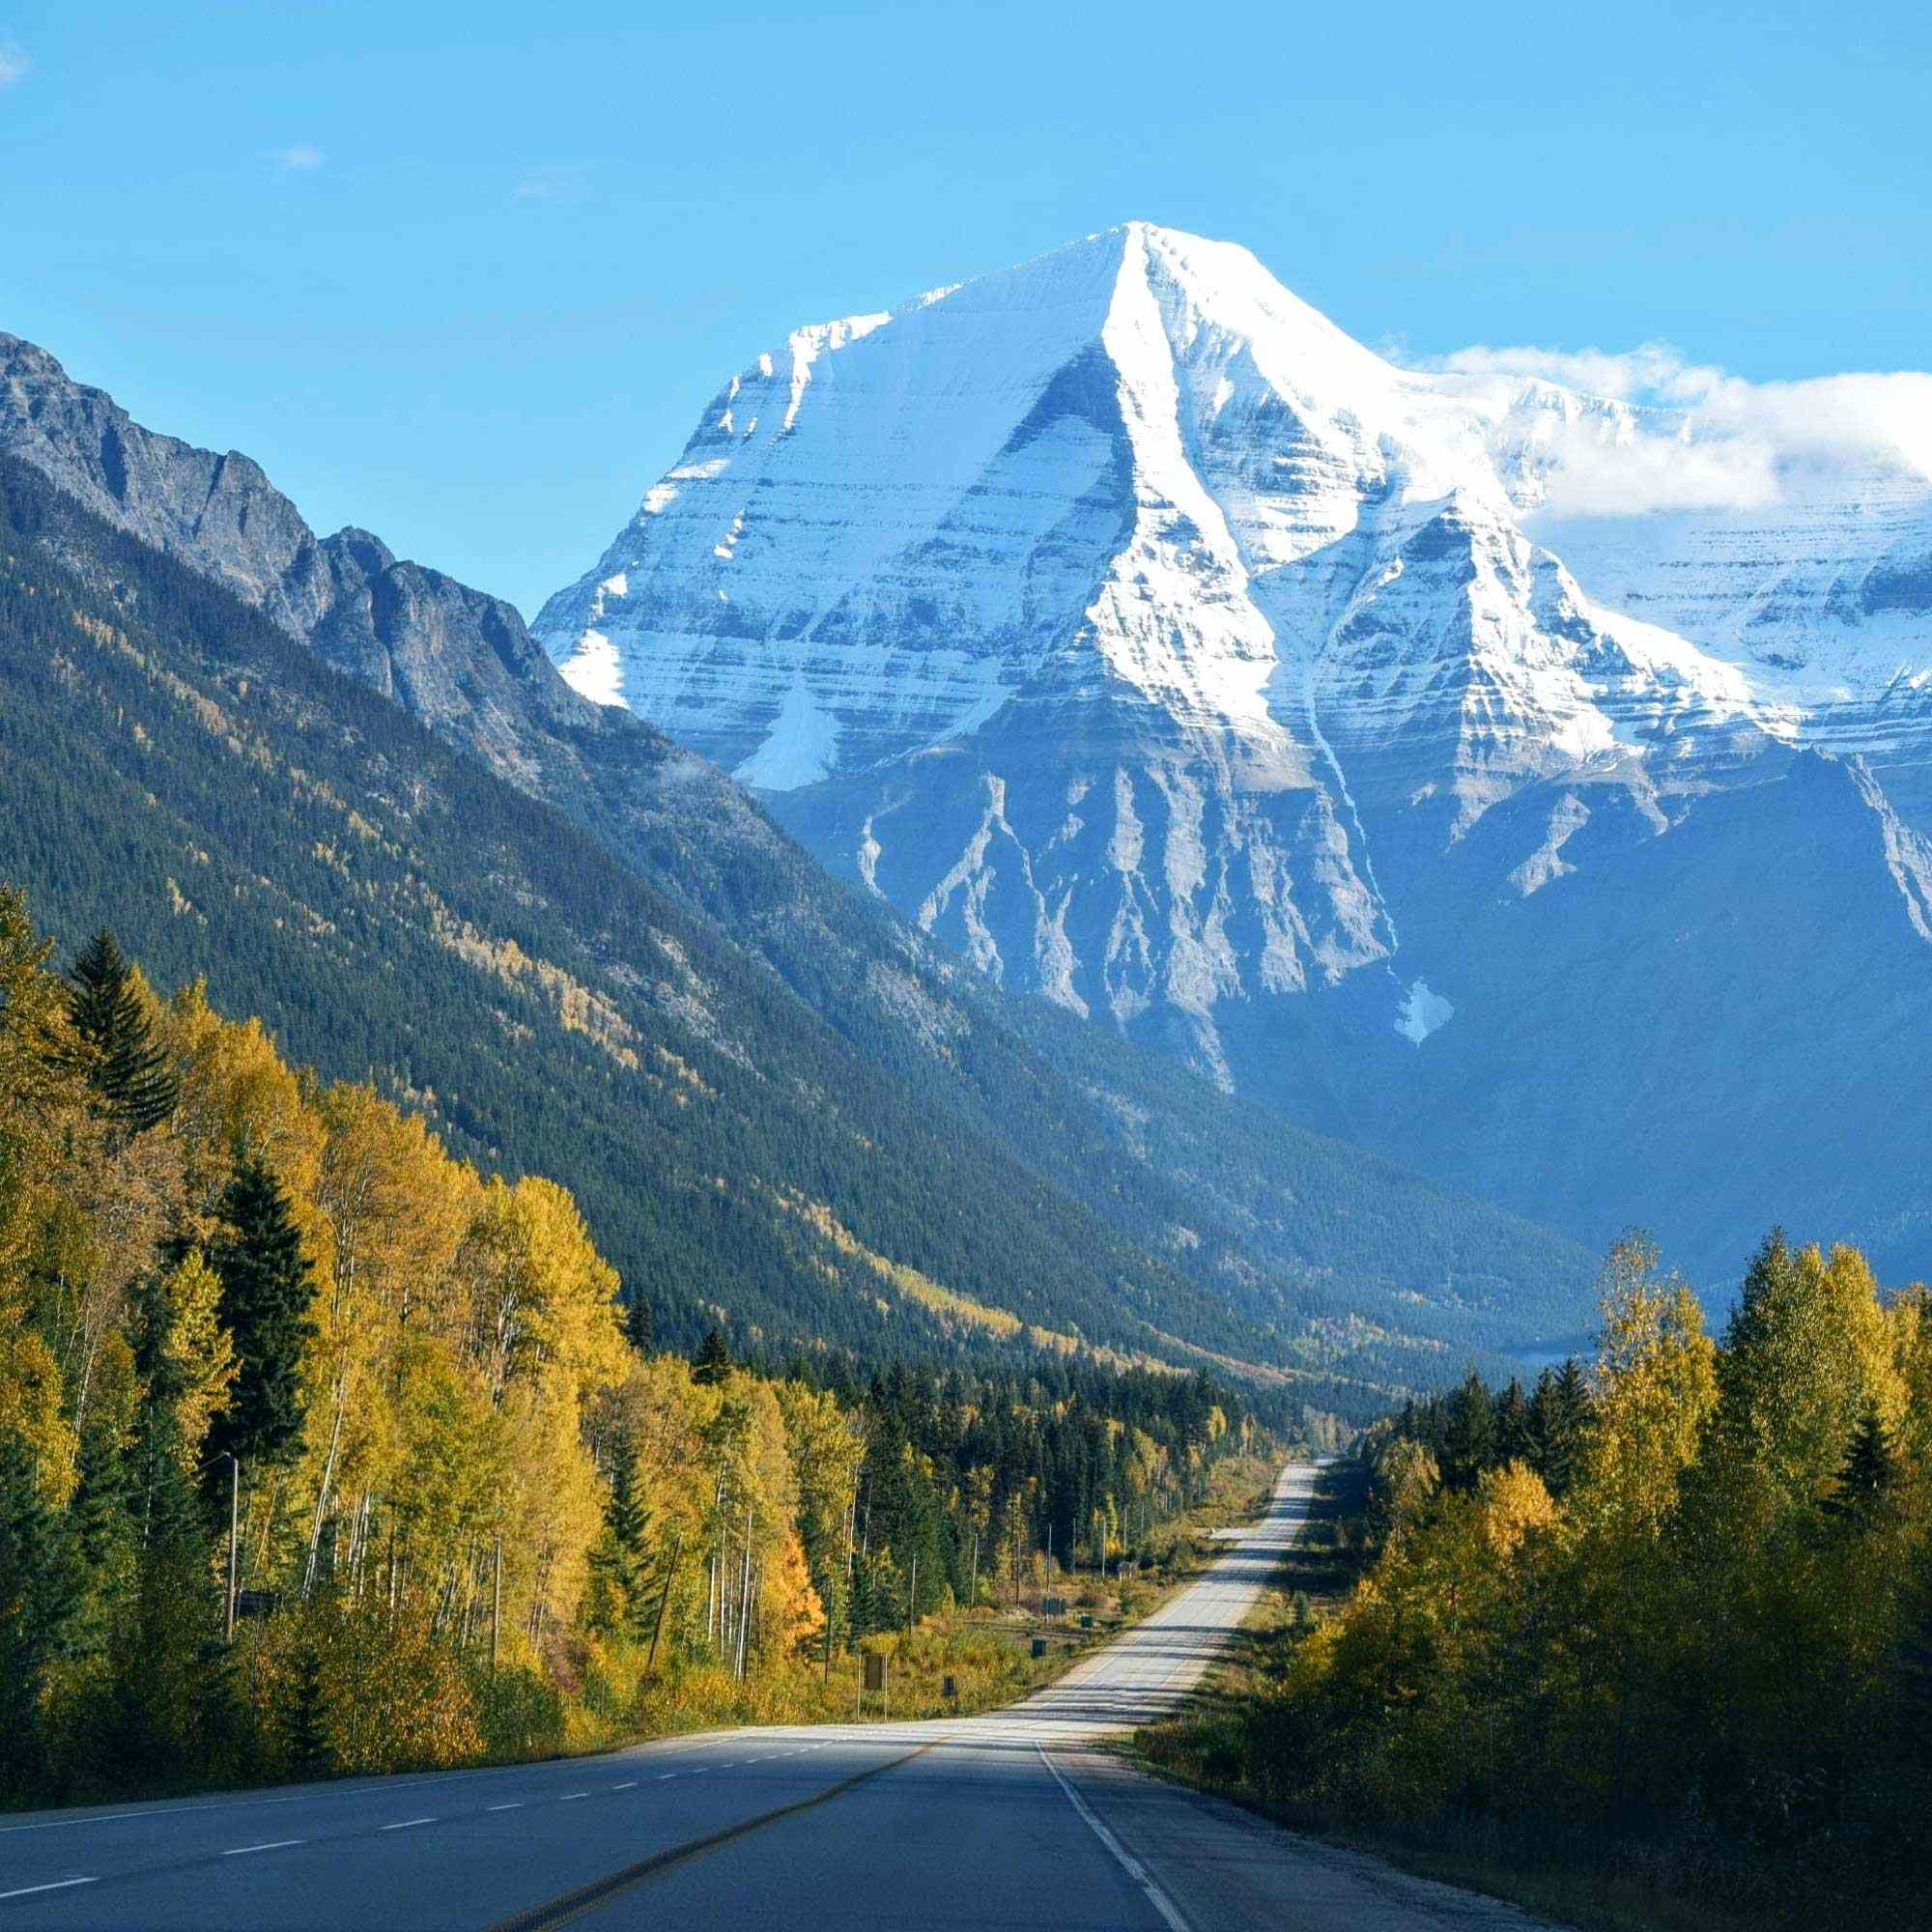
(463,1378)
(471,1519)
(1705,1651)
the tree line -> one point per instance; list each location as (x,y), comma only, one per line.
(1670,1617)
(323,1450)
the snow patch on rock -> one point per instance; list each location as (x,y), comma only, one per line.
(1423,1012)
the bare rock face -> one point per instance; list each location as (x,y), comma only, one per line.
(1164,651)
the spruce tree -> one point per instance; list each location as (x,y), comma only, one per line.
(117,1052)
(1559,1419)
(1469,1433)
(161,1500)
(42,1593)
(311,1751)
(639,1328)
(714,1359)
(1870,1472)
(621,1592)
(105,1514)
(227,1745)
(266,1287)
(1513,1440)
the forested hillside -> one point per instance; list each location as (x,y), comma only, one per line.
(1660,1631)
(901,1170)
(473,1513)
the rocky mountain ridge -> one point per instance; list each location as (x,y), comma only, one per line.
(782,996)
(1168,653)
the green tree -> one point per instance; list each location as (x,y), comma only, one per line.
(266,1287)
(619,1591)
(1871,1472)
(1559,1425)
(1470,1434)
(119,1055)
(41,1595)
(310,1748)
(639,1328)
(713,1361)
(1515,1438)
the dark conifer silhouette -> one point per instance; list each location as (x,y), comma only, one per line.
(713,1361)
(1869,1473)
(117,1051)
(265,1289)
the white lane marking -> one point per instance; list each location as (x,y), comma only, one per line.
(663,1775)
(569,1795)
(361,1788)
(404,1824)
(1130,1865)
(515,1805)
(272,1845)
(631,1786)
(57,1885)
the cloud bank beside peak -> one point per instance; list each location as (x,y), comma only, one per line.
(1697,437)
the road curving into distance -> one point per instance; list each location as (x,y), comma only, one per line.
(1011,1820)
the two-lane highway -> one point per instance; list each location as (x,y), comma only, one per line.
(1009,1820)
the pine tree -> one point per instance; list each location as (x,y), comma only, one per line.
(1515,1441)
(714,1359)
(117,1050)
(619,1588)
(105,1514)
(41,1587)
(1869,1473)
(266,1287)
(1469,1433)
(1559,1420)
(226,1745)
(311,1752)
(639,1328)
(160,1497)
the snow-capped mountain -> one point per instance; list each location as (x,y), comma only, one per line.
(1164,649)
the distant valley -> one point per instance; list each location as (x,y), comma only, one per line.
(585,952)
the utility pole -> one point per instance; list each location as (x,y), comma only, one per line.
(496,1607)
(912,1597)
(234,1536)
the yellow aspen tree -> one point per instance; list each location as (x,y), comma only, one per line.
(1655,1384)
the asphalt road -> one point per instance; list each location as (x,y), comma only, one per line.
(1011,1820)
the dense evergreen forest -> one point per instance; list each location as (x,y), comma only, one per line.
(322,1449)
(1664,1625)
(793,1123)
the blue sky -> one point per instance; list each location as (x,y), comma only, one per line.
(464,273)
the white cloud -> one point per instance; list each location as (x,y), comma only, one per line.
(302,158)
(1700,438)
(14,65)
